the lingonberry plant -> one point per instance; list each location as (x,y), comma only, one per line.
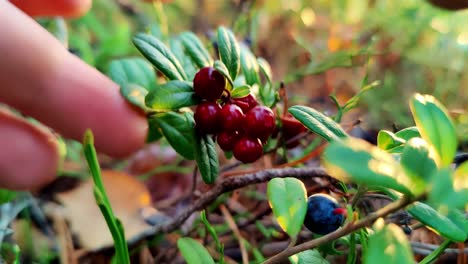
(203,101)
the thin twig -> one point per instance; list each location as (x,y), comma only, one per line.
(351,227)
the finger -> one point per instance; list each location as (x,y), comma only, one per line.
(29,155)
(42,79)
(68,8)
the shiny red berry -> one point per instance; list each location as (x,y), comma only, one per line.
(245,103)
(291,127)
(232,117)
(248,149)
(227,140)
(259,122)
(207,117)
(209,84)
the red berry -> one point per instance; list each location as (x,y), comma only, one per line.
(232,117)
(291,128)
(259,122)
(207,117)
(209,84)
(227,140)
(246,103)
(248,149)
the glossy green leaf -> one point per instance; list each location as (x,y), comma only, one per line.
(194,252)
(229,51)
(6,196)
(134,94)
(265,69)
(240,91)
(444,191)
(418,164)
(388,245)
(268,95)
(221,68)
(154,132)
(177,48)
(288,200)
(132,70)
(178,129)
(318,123)
(196,50)
(408,133)
(171,96)
(160,56)
(435,126)
(442,224)
(249,66)
(387,140)
(207,158)
(311,256)
(358,161)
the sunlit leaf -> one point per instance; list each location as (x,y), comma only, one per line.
(132,70)
(171,96)
(265,69)
(387,140)
(444,192)
(249,66)
(240,91)
(134,94)
(288,200)
(435,126)
(196,49)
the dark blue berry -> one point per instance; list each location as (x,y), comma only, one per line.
(324,214)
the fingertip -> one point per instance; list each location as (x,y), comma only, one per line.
(29,156)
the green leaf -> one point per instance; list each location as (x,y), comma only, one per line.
(443,225)
(134,94)
(359,161)
(288,199)
(459,219)
(194,252)
(207,158)
(408,133)
(6,196)
(132,70)
(229,51)
(418,163)
(240,91)
(265,69)
(179,132)
(388,245)
(460,180)
(311,256)
(154,132)
(435,126)
(318,123)
(353,101)
(196,50)
(221,68)
(249,66)
(177,48)
(172,96)
(387,140)
(268,95)
(445,193)
(160,56)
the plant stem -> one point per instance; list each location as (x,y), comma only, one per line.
(436,253)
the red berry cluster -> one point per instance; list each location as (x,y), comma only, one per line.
(241,125)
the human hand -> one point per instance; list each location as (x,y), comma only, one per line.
(41,79)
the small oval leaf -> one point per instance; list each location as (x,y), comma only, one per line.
(249,66)
(221,68)
(265,69)
(418,164)
(194,252)
(172,96)
(318,123)
(288,200)
(388,245)
(132,70)
(430,217)
(387,140)
(179,130)
(240,91)
(435,126)
(160,56)
(195,49)
(207,158)
(134,94)
(229,51)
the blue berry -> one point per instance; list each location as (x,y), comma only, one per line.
(324,214)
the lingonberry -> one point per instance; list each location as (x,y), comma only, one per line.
(207,117)
(232,117)
(227,140)
(209,84)
(324,214)
(245,103)
(291,128)
(259,122)
(248,149)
